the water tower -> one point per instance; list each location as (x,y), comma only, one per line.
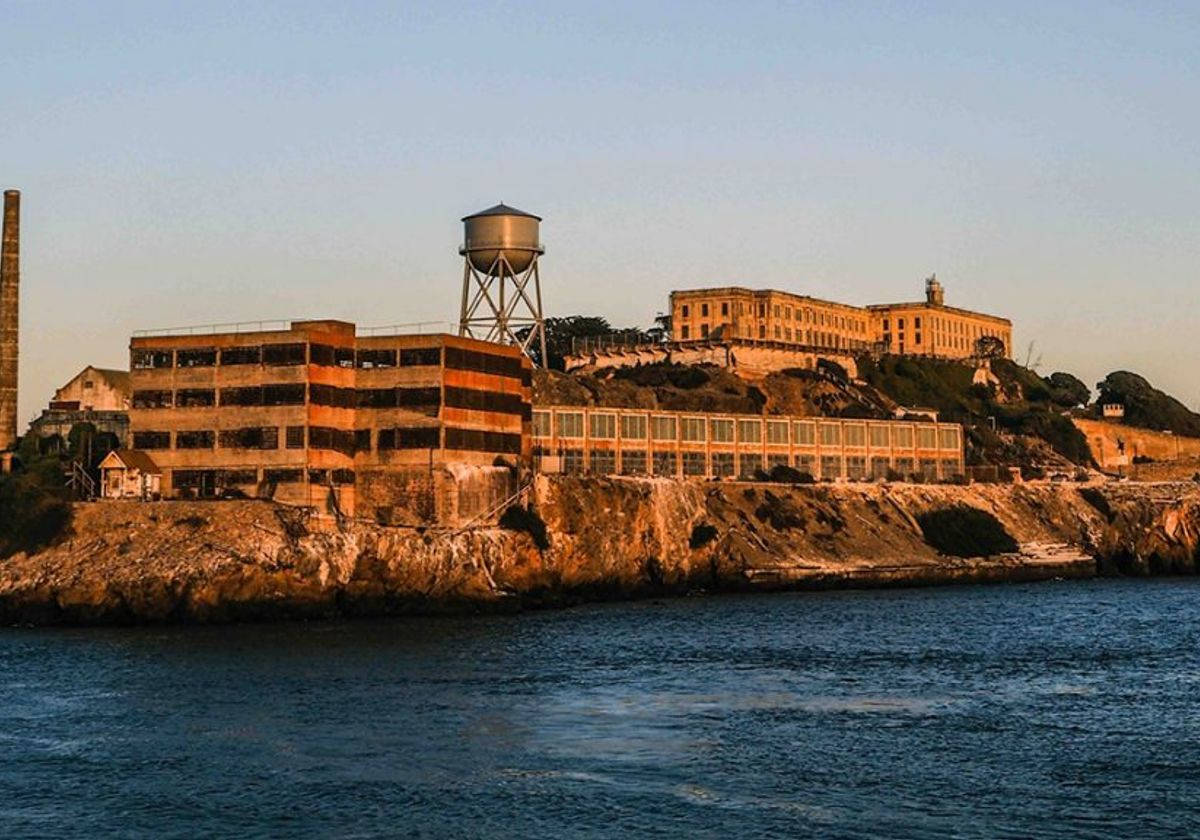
(502,291)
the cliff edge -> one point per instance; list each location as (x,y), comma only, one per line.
(603,538)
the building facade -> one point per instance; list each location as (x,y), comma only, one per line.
(95,397)
(926,328)
(319,416)
(608,441)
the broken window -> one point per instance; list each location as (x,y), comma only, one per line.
(602,462)
(342,476)
(420,437)
(376,398)
(195,397)
(251,355)
(338,440)
(633,462)
(484,400)
(198,357)
(665,463)
(422,356)
(424,400)
(362,440)
(693,463)
(252,437)
(332,395)
(152,399)
(202,439)
(151,440)
(459,359)
(204,480)
(376,359)
(318,477)
(283,476)
(231,478)
(148,359)
(250,395)
(324,354)
(295,437)
(284,354)
(475,440)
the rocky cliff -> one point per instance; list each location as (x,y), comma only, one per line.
(604,538)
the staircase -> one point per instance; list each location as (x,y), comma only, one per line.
(81,484)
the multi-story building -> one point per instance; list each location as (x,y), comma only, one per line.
(927,328)
(610,441)
(95,398)
(313,414)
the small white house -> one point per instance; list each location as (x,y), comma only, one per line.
(1114,411)
(129,474)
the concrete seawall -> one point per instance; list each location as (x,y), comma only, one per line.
(607,538)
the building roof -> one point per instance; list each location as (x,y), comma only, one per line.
(924,304)
(134,459)
(502,209)
(118,379)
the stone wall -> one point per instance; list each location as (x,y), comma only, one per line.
(1105,439)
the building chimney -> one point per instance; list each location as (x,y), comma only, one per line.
(934,293)
(10,279)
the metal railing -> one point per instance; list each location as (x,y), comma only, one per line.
(420,327)
(212,329)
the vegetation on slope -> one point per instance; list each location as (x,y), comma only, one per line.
(1147,407)
(34,509)
(1022,403)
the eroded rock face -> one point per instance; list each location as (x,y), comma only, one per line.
(608,538)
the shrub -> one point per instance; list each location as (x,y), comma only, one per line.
(964,531)
(702,535)
(34,510)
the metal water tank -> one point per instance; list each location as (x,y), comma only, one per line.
(501,230)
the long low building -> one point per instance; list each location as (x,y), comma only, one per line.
(925,328)
(314,414)
(610,441)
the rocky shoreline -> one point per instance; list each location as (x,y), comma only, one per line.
(131,563)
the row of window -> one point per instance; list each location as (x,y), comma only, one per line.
(604,426)
(211,482)
(424,400)
(748,465)
(785,312)
(299,353)
(346,441)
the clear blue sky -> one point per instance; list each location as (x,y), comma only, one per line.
(187,163)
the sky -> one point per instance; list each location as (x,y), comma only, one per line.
(211,162)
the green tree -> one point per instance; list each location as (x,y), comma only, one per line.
(34,509)
(1066,390)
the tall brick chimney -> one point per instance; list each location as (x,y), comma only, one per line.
(10,279)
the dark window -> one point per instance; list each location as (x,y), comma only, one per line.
(195,397)
(251,395)
(193,479)
(362,440)
(318,476)
(323,354)
(331,395)
(684,331)
(229,478)
(421,356)
(242,355)
(342,476)
(253,437)
(376,358)
(283,476)
(195,440)
(377,398)
(422,437)
(724,308)
(683,311)
(295,437)
(151,399)
(291,394)
(475,440)
(148,359)
(151,440)
(917,323)
(320,354)
(283,354)
(338,440)
(202,357)
(424,400)
(484,400)
(461,359)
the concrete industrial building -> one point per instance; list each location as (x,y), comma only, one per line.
(98,397)
(610,441)
(314,414)
(927,328)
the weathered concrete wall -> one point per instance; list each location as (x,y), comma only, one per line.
(607,538)
(1105,439)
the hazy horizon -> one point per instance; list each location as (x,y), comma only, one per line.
(214,163)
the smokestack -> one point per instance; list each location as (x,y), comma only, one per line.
(10,279)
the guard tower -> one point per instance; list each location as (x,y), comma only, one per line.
(502,291)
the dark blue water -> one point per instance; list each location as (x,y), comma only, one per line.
(1018,711)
